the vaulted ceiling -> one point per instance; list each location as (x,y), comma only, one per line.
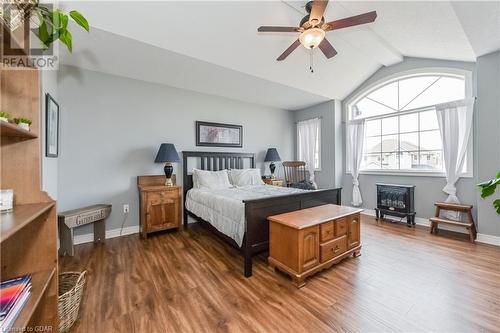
(214,47)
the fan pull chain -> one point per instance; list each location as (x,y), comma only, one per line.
(311,61)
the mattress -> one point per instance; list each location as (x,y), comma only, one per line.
(224,208)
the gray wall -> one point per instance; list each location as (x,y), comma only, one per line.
(111,128)
(487,143)
(429,189)
(329,113)
(48,84)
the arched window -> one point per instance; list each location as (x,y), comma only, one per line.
(401,127)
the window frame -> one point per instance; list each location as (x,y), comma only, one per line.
(318,169)
(446,72)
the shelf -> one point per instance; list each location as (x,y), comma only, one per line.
(40,281)
(21,216)
(12,130)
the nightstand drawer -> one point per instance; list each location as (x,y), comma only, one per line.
(162,196)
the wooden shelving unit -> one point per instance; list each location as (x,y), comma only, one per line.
(28,234)
(12,130)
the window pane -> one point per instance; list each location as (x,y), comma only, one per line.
(368,108)
(431,160)
(430,140)
(408,123)
(390,160)
(371,162)
(373,127)
(411,87)
(373,144)
(390,143)
(408,141)
(390,125)
(408,159)
(387,95)
(446,89)
(428,120)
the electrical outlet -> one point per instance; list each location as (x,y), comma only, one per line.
(126,208)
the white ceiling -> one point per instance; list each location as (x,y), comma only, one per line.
(214,47)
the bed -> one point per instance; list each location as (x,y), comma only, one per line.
(247,209)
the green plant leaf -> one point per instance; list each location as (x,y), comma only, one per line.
(67,39)
(487,191)
(82,21)
(43,34)
(496,204)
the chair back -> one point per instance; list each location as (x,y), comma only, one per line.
(295,172)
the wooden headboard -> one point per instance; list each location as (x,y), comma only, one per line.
(213,161)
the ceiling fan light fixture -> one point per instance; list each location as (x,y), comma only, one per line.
(311,38)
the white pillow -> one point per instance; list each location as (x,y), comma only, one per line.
(245,177)
(211,179)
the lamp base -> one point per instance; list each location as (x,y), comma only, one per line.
(169,169)
(272,167)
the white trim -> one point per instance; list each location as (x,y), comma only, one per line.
(481,238)
(88,238)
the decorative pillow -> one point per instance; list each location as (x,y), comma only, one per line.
(211,179)
(304,185)
(245,177)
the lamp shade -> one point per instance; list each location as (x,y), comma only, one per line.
(272,155)
(167,153)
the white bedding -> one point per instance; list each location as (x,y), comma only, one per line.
(224,208)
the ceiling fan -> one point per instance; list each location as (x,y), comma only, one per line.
(313,28)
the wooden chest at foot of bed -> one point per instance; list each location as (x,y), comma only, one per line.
(304,242)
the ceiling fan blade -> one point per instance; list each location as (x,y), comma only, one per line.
(289,50)
(351,21)
(327,48)
(277,29)
(317,11)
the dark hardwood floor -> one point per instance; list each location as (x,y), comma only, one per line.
(188,281)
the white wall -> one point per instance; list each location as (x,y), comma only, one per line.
(111,128)
(487,143)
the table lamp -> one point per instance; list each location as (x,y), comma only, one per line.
(168,155)
(272,156)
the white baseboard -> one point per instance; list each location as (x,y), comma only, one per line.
(88,238)
(481,238)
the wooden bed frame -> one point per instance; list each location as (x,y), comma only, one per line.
(256,239)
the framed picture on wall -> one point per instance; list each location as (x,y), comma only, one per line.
(51,127)
(219,135)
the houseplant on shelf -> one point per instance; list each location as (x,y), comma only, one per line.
(52,22)
(24,123)
(488,188)
(4,116)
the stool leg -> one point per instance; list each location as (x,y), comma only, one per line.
(66,240)
(99,231)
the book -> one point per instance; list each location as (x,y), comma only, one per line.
(7,322)
(10,291)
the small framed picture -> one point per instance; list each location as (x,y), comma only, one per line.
(51,127)
(219,135)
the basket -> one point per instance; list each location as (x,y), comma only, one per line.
(71,286)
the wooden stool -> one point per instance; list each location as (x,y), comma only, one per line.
(469,225)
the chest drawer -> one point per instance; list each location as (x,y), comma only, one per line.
(327,231)
(341,227)
(333,248)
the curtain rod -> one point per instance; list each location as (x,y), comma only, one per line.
(320,117)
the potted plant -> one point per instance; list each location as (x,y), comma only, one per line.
(4,116)
(24,123)
(488,188)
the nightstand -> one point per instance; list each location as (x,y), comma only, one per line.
(274,182)
(160,205)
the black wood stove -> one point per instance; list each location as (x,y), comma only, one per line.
(396,200)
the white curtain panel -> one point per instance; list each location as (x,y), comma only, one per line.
(455,123)
(308,131)
(355,139)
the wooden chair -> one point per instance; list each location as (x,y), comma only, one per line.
(467,209)
(295,172)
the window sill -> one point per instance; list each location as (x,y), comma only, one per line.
(409,173)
